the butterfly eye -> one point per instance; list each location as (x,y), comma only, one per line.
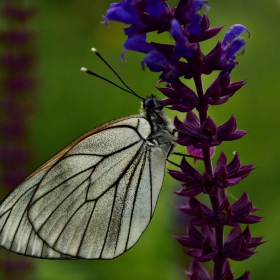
(149,104)
(152,104)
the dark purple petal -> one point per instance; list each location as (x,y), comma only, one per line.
(178,175)
(208,186)
(203,36)
(197,272)
(189,190)
(197,153)
(190,179)
(245,276)
(222,161)
(228,131)
(180,97)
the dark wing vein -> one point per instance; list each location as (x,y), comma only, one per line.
(135,197)
(125,197)
(84,234)
(139,152)
(37,231)
(151,183)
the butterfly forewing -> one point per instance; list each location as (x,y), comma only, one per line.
(92,200)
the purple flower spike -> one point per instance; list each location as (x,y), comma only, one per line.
(178,62)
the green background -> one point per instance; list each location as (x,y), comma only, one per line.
(70,103)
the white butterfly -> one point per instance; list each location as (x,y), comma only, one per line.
(95,198)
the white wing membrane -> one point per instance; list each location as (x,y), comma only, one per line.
(93,200)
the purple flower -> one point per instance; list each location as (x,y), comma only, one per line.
(154,7)
(231,45)
(180,97)
(228,214)
(190,179)
(185,59)
(230,174)
(202,243)
(240,245)
(182,47)
(206,134)
(122,11)
(240,212)
(198,153)
(221,90)
(206,32)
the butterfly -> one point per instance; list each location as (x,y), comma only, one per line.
(94,198)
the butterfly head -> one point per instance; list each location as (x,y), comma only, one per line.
(152,104)
(151,109)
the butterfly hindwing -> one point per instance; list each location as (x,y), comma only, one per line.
(92,200)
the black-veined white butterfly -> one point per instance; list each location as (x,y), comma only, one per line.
(94,198)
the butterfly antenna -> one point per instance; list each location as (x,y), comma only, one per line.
(128,89)
(83,69)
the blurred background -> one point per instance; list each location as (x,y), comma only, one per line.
(66,103)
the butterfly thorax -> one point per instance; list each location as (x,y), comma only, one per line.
(162,129)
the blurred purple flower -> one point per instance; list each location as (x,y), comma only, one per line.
(18,83)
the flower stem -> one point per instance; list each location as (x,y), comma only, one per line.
(220,260)
(214,198)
